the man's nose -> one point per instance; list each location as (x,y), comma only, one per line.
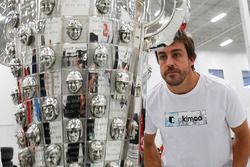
(170,61)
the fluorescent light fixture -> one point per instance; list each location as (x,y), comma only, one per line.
(227,42)
(218,17)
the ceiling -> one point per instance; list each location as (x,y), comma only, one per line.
(207,35)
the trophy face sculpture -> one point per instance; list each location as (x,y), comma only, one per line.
(53,155)
(79,70)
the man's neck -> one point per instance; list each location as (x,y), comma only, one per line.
(187,85)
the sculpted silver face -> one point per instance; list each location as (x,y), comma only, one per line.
(134,127)
(50,109)
(47,6)
(96,151)
(74,29)
(21,140)
(20,114)
(117,129)
(125,33)
(12,20)
(15,95)
(101,56)
(121,82)
(34,134)
(15,67)
(74,81)
(53,155)
(98,105)
(47,57)
(25,157)
(103,6)
(74,130)
(29,87)
(25,35)
(10,49)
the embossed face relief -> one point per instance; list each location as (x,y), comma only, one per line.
(96,151)
(47,57)
(53,155)
(25,35)
(121,82)
(47,6)
(15,67)
(29,86)
(98,106)
(74,130)
(125,33)
(117,129)
(74,81)
(10,49)
(34,134)
(15,95)
(25,157)
(50,109)
(21,140)
(12,20)
(101,56)
(103,6)
(74,29)
(20,114)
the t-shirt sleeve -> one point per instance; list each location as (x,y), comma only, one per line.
(150,128)
(235,115)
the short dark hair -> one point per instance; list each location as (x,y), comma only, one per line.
(188,42)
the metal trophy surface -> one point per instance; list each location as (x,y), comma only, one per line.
(80,76)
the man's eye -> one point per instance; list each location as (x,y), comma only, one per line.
(162,57)
(176,55)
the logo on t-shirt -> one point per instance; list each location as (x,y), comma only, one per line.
(185,118)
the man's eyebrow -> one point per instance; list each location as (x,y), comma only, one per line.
(176,50)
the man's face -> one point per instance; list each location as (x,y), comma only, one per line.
(174,63)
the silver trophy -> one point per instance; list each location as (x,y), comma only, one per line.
(81,69)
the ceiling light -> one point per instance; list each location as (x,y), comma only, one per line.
(218,17)
(227,42)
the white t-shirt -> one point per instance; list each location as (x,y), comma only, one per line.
(195,126)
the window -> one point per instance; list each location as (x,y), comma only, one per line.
(246,78)
(216,72)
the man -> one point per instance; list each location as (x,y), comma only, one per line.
(194,114)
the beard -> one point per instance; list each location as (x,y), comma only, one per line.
(174,77)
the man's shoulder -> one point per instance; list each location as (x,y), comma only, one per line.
(215,82)
(156,89)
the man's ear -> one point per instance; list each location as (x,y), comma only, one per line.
(156,57)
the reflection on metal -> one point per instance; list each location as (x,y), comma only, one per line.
(80,76)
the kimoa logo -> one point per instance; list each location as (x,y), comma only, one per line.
(191,119)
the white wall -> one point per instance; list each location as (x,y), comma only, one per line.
(7,119)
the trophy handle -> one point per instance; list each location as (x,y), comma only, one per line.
(168,19)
